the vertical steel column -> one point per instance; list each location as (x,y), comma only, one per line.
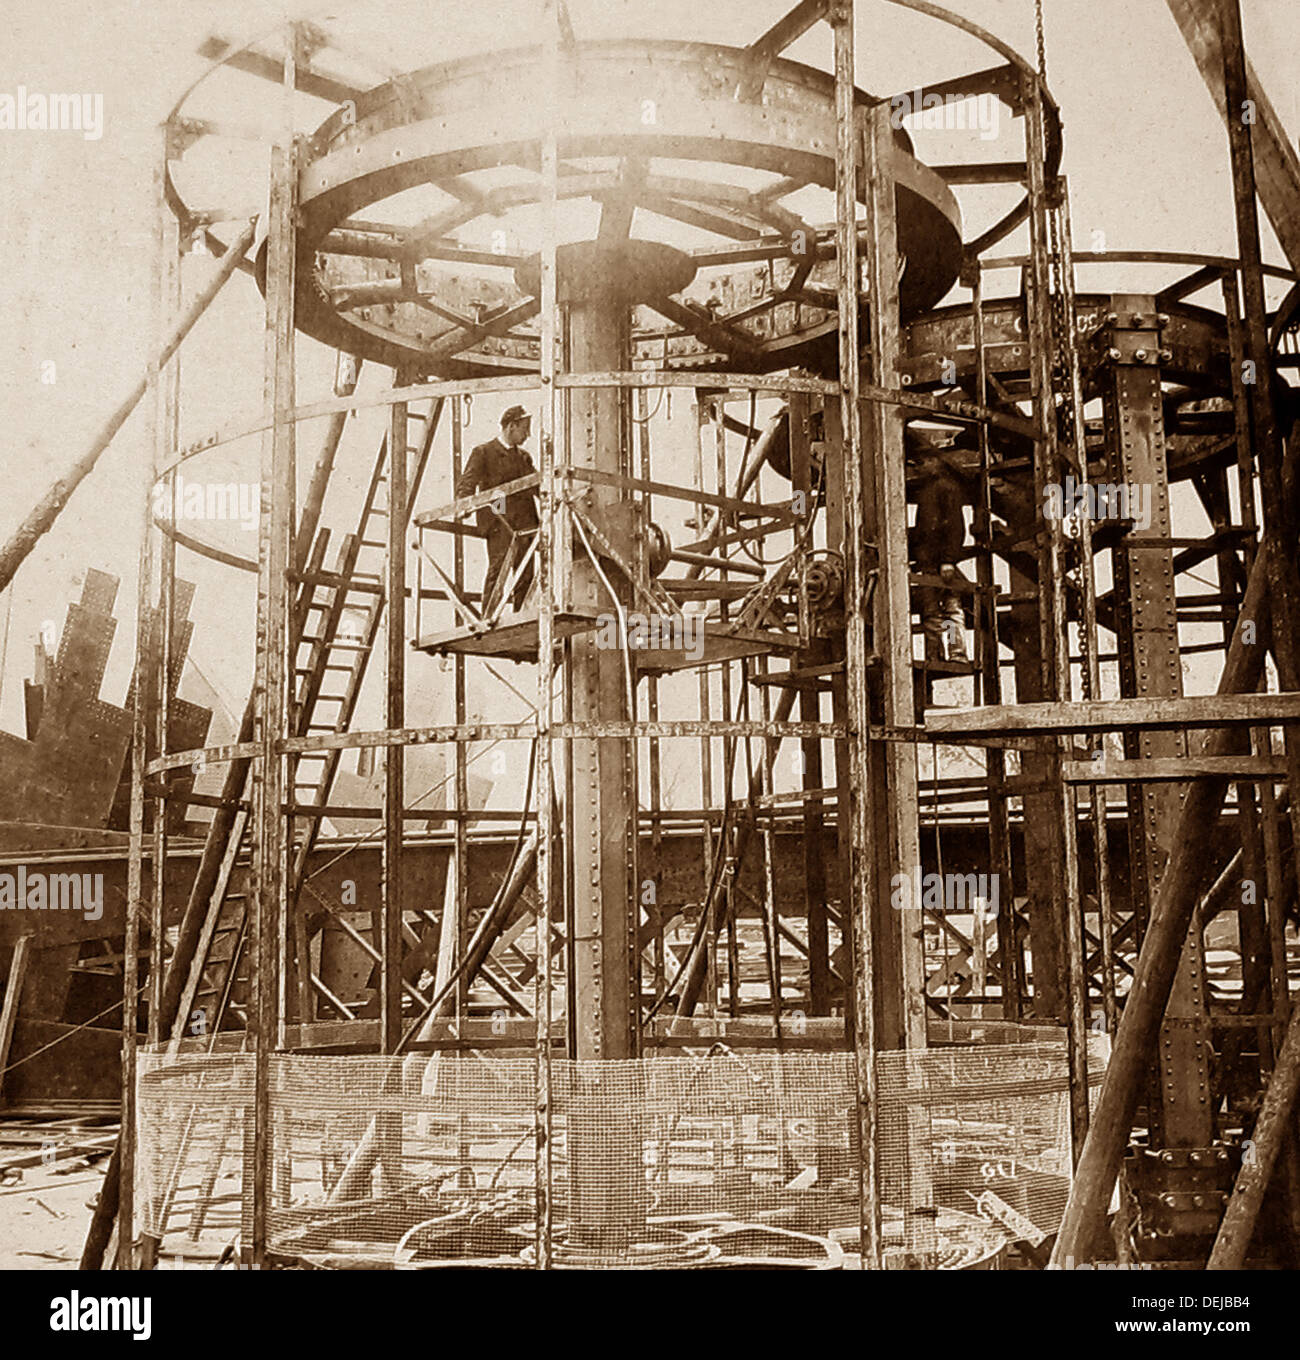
(390,941)
(653,770)
(860,889)
(546,587)
(897,839)
(1157,962)
(1150,665)
(710,942)
(990,661)
(810,705)
(1280,515)
(604,938)
(159,617)
(271,697)
(143,678)
(455,952)
(604,1163)
(165,442)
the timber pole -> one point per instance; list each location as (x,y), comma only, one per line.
(1271,1131)
(50,505)
(1157,963)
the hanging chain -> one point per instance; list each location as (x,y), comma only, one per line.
(1060,360)
(1042,45)
(1064,356)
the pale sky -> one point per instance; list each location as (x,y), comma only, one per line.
(1145,153)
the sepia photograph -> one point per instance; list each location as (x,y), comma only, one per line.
(643,639)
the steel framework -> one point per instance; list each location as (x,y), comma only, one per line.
(613,924)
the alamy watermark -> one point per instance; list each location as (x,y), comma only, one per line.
(22,890)
(652,633)
(30,111)
(240,501)
(1129,501)
(75,1312)
(947,112)
(946,893)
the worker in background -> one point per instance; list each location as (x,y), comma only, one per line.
(509,524)
(938,543)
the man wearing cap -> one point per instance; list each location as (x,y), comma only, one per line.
(510,522)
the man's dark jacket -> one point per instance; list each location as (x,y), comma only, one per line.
(494,464)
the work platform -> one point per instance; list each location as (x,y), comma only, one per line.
(514,638)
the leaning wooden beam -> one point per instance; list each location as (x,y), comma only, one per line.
(356,1175)
(1157,963)
(50,505)
(1277,167)
(13,992)
(1272,1128)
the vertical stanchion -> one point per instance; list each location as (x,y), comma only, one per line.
(655,789)
(143,676)
(271,696)
(388,1123)
(165,440)
(394,717)
(455,953)
(900,932)
(1279,512)
(989,652)
(892,612)
(861,886)
(546,631)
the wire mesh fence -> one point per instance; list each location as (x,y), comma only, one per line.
(735,1158)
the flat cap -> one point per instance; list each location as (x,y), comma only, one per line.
(514,413)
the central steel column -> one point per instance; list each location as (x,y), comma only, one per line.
(604,1022)
(606,1186)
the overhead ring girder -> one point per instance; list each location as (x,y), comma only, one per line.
(636,101)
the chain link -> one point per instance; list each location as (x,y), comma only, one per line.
(1042,46)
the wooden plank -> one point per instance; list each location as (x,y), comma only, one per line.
(1104,715)
(515,637)
(1277,167)
(1173,769)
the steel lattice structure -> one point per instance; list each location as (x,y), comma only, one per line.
(681,247)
